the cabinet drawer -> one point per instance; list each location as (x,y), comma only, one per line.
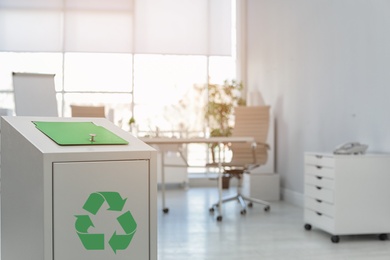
(320,193)
(319,206)
(319,160)
(319,171)
(317,180)
(319,220)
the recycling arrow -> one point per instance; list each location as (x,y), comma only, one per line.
(90,241)
(120,242)
(97,241)
(127,222)
(96,200)
(83,222)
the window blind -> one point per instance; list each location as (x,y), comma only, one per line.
(24,30)
(96,31)
(31,4)
(183,27)
(188,27)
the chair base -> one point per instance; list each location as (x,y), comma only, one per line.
(242,200)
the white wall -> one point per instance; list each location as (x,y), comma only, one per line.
(324,67)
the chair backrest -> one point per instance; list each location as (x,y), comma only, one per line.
(34,94)
(251,121)
(87,111)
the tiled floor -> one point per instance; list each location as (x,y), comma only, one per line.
(189,232)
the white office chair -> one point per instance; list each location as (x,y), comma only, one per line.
(34,94)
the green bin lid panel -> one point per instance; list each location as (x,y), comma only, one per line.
(78,133)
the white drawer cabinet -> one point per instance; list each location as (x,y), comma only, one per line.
(347,194)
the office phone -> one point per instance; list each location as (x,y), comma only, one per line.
(351,148)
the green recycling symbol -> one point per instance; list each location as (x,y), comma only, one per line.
(96,241)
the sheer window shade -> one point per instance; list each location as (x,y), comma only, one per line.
(102,5)
(98,32)
(183,27)
(192,27)
(220,27)
(43,4)
(35,31)
(119,5)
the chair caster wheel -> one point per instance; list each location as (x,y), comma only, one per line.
(383,237)
(219,218)
(166,210)
(335,239)
(243,212)
(250,204)
(212,210)
(307,226)
(267,208)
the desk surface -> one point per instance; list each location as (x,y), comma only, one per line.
(167,140)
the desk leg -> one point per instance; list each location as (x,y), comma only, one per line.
(220,173)
(165,209)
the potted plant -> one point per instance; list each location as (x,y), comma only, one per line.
(220,107)
(219,112)
(132,126)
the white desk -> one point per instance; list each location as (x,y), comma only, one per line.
(179,141)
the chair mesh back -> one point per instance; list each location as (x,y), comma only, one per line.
(87,111)
(253,122)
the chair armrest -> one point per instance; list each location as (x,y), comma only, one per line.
(255,144)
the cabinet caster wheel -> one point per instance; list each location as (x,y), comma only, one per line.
(211,209)
(250,204)
(267,208)
(383,237)
(166,210)
(243,212)
(219,218)
(335,239)
(307,226)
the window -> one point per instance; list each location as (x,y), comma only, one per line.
(165,97)
(99,79)
(139,58)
